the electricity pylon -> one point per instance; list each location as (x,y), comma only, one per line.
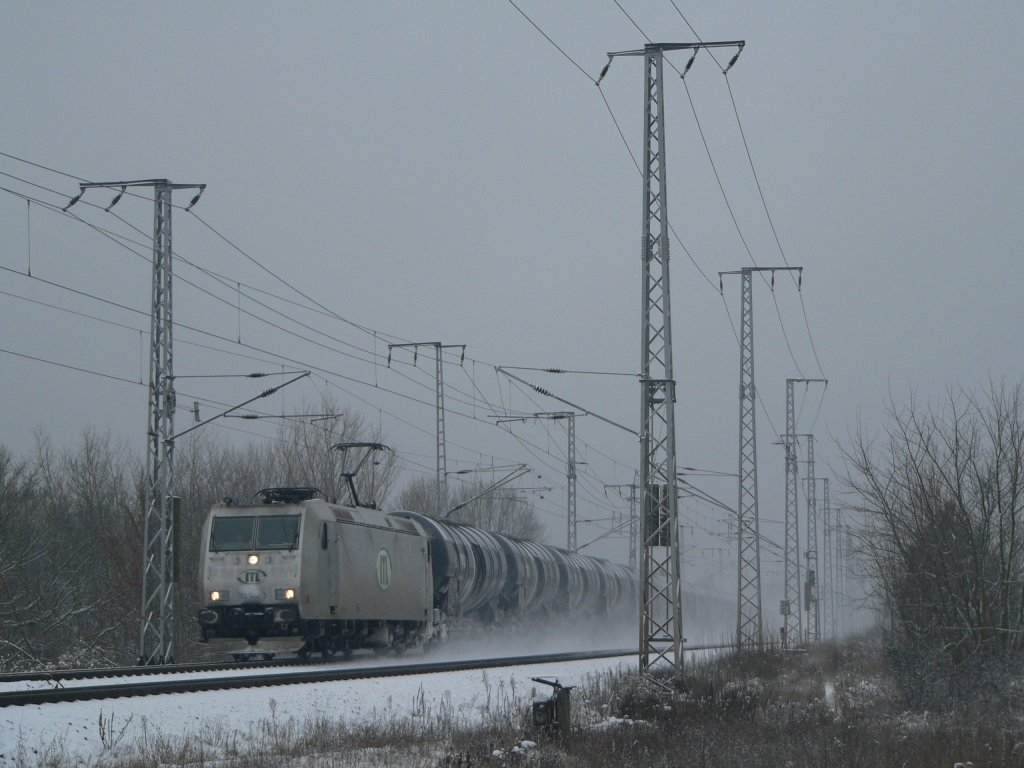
(570,472)
(749,627)
(570,466)
(811,591)
(792,615)
(827,580)
(441,481)
(632,488)
(159,527)
(661,611)
(840,586)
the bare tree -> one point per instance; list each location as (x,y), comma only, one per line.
(943,499)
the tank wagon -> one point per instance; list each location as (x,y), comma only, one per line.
(296,574)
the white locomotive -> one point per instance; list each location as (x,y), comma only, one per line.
(295,574)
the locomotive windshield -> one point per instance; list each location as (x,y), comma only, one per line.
(234,534)
(277,532)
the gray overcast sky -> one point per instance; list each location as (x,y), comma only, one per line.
(440,171)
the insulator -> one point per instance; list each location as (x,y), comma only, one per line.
(74,200)
(202,188)
(115,200)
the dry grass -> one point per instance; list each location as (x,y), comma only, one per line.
(835,707)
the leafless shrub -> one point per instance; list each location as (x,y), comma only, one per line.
(942,496)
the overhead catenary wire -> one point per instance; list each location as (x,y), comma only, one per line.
(718,179)
(122,239)
(118,238)
(722,187)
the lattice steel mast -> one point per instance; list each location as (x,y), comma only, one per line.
(827,580)
(811,553)
(441,481)
(159,534)
(792,614)
(749,626)
(840,586)
(570,472)
(631,499)
(661,638)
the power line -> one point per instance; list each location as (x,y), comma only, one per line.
(556,45)
(767,213)
(71,367)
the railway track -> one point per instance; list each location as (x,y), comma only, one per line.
(148,687)
(61,675)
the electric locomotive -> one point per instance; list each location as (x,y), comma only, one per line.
(295,574)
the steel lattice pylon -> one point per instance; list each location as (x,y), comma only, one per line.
(840,584)
(570,472)
(159,526)
(792,615)
(749,625)
(792,609)
(632,528)
(632,522)
(157,630)
(570,481)
(748,609)
(442,449)
(441,476)
(661,613)
(811,591)
(827,580)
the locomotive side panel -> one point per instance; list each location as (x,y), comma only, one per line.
(380,574)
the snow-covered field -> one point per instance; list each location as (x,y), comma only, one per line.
(91,730)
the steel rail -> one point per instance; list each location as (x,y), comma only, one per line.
(59,675)
(148,688)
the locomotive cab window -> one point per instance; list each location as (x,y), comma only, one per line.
(232,534)
(277,532)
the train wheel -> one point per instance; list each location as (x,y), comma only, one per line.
(268,656)
(327,651)
(303,652)
(240,656)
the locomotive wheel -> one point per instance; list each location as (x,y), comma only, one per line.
(240,656)
(327,651)
(268,656)
(303,652)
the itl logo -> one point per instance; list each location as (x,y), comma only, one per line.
(252,577)
(384,569)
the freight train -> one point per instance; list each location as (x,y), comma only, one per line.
(293,573)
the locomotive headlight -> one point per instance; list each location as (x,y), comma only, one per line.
(254,560)
(284,594)
(218,595)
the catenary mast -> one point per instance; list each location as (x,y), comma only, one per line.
(160,535)
(791,610)
(660,636)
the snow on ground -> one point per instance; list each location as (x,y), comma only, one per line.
(80,728)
